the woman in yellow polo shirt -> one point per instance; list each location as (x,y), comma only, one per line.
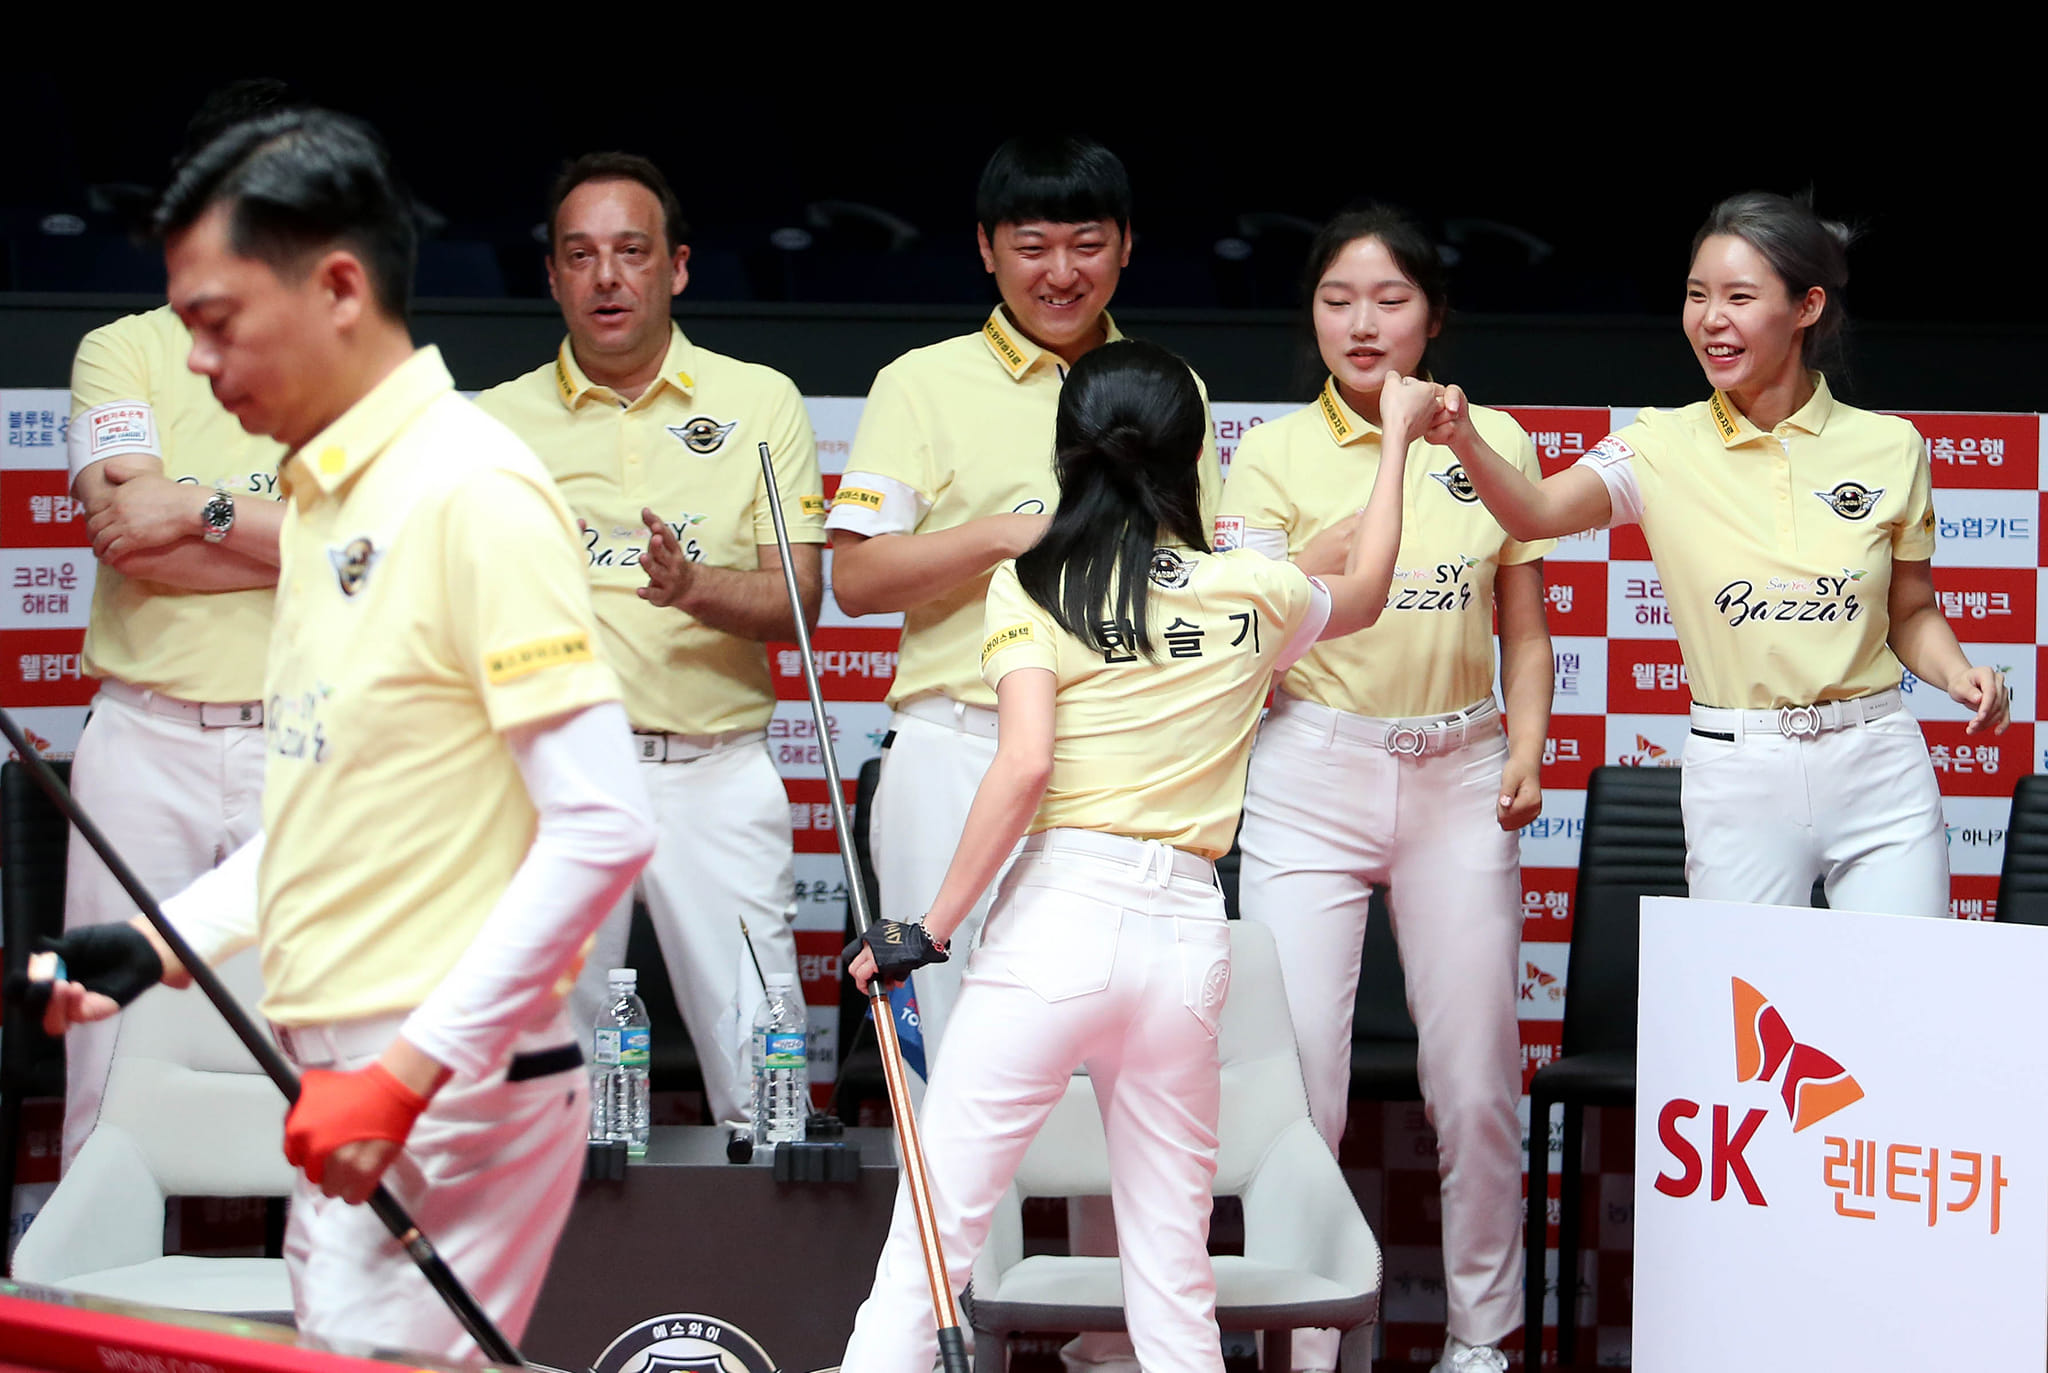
(1399,720)
(1792,534)
(1130,664)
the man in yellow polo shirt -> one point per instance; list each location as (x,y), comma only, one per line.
(633,419)
(951,473)
(451,803)
(181,503)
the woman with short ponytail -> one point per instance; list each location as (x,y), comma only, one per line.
(1793,535)
(1130,665)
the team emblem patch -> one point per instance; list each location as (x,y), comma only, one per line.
(352,563)
(702,435)
(1457,483)
(685,1344)
(1851,500)
(1170,571)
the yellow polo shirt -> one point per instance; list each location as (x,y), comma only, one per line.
(688,449)
(432,598)
(1156,749)
(131,392)
(1775,550)
(1432,650)
(951,433)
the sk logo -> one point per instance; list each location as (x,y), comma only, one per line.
(1537,975)
(1851,500)
(1814,1086)
(1646,755)
(1457,483)
(352,564)
(702,435)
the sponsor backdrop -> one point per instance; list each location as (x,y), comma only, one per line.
(1621,697)
(1804,1162)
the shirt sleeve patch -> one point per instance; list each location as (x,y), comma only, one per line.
(856,496)
(557,650)
(812,505)
(1020,633)
(1229,533)
(1927,521)
(1609,451)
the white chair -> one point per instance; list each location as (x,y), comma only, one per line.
(1309,1257)
(187,1113)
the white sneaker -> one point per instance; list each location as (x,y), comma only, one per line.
(1460,1357)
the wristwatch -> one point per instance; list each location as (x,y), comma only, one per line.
(218,516)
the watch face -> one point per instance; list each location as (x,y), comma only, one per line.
(219,513)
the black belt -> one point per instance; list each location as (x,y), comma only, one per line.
(544,1063)
(1713,734)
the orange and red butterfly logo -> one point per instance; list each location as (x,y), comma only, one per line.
(1814,1085)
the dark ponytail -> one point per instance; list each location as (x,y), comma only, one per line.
(1127,442)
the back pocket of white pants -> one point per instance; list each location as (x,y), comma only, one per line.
(1059,944)
(1204,947)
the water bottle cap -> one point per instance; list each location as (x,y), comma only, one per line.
(622,977)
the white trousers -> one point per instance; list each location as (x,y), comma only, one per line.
(1859,807)
(1327,817)
(1094,960)
(174,799)
(930,773)
(488,1173)
(723,854)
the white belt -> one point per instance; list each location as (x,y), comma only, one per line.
(201,714)
(1797,722)
(1413,735)
(535,1051)
(948,713)
(316,1046)
(1141,854)
(655,747)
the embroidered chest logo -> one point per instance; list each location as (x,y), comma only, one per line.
(1170,571)
(702,435)
(1457,483)
(352,563)
(1851,500)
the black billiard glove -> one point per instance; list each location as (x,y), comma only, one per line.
(900,948)
(117,961)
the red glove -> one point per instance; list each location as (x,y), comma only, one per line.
(334,1109)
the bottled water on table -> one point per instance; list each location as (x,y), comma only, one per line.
(620,1058)
(782,1087)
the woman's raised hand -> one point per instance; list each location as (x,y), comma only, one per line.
(1411,404)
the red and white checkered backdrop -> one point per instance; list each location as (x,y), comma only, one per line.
(1621,698)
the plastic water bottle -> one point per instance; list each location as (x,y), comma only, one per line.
(782,1087)
(620,1058)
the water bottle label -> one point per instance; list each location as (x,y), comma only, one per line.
(633,1047)
(605,1046)
(783,1050)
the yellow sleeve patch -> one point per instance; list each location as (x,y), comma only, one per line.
(812,505)
(1006,638)
(1927,521)
(557,650)
(859,495)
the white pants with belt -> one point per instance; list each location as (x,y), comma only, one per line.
(176,786)
(930,772)
(1782,802)
(1330,812)
(1096,952)
(723,854)
(489,1173)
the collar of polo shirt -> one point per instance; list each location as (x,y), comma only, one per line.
(678,369)
(1736,430)
(1346,425)
(337,453)
(1018,354)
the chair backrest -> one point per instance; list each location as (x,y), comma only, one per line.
(2023,882)
(207,1120)
(1262,1088)
(1381,1011)
(1633,846)
(853,1007)
(33,840)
